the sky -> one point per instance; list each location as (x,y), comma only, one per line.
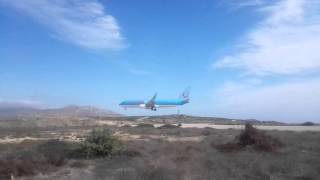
(248,59)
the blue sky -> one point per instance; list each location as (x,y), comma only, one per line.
(242,58)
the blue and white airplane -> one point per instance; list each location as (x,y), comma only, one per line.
(154,104)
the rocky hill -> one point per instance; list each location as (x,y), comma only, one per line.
(57,113)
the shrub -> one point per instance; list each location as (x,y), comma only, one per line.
(99,143)
(255,137)
(251,136)
(228,147)
(308,124)
(14,168)
(168,126)
(55,152)
(130,153)
(206,132)
(77,164)
(157,173)
(43,158)
(145,125)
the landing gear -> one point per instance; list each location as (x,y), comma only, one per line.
(153,109)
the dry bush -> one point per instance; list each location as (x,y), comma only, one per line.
(145,125)
(206,132)
(168,126)
(308,124)
(228,147)
(161,159)
(258,139)
(77,164)
(42,158)
(17,166)
(32,157)
(46,157)
(158,173)
(55,152)
(157,159)
(130,153)
(251,137)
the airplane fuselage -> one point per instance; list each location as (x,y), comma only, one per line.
(157,103)
(154,103)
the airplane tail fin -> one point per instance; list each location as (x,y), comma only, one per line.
(185,94)
(151,101)
(154,97)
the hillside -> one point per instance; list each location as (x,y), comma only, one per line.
(57,113)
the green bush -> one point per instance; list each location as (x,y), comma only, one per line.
(100,143)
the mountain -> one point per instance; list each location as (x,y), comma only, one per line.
(14,112)
(72,111)
(78,111)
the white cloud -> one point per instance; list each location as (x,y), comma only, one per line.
(19,103)
(292,101)
(236,4)
(287,42)
(81,22)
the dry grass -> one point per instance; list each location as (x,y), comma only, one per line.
(159,159)
(27,159)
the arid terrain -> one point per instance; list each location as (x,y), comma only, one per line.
(158,148)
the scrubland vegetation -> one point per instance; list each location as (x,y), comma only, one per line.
(254,138)
(218,154)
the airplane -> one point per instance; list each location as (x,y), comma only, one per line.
(154,104)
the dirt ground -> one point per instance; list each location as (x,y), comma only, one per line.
(262,127)
(176,153)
